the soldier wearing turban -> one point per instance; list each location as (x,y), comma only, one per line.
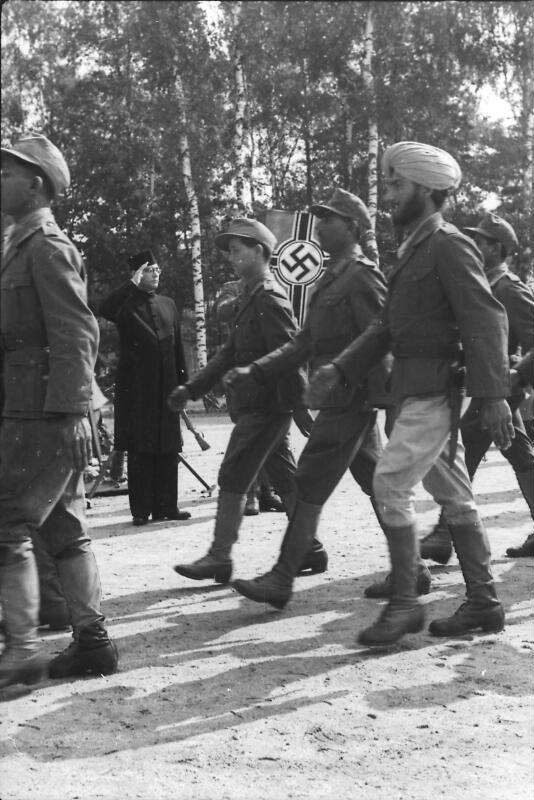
(440,312)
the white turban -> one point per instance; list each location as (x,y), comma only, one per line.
(421,163)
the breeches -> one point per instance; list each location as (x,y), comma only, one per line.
(39,490)
(254,438)
(341,439)
(417,451)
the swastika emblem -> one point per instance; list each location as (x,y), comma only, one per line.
(300,262)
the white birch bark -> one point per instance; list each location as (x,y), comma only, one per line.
(240,109)
(194,216)
(372,125)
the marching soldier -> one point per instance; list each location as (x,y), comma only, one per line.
(264,321)
(344,435)
(49,342)
(439,300)
(496,241)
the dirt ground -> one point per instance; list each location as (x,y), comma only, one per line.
(218,698)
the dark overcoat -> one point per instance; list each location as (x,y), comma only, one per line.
(151,365)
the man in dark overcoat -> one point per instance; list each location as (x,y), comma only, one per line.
(151,364)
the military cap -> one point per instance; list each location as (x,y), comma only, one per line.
(493,227)
(36,149)
(245,228)
(139,259)
(344,204)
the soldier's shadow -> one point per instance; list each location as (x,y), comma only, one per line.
(251,675)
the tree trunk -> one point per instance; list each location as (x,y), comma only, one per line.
(528,136)
(372,126)
(196,256)
(240,108)
(306,136)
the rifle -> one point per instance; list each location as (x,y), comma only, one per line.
(202,443)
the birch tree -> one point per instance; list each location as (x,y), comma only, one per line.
(194,216)
(372,123)
(240,110)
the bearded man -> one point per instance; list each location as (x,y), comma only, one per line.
(440,308)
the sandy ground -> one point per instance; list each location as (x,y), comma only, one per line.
(218,697)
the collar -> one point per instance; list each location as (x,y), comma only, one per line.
(432,221)
(337,266)
(28,224)
(248,287)
(496,273)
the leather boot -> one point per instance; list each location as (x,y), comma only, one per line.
(54,611)
(269,501)
(92,652)
(217,564)
(525,550)
(526,484)
(21,662)
(276,586)
(403,614)
(316,559)
(482,608)
(384,588)
(252,504)
(437,545)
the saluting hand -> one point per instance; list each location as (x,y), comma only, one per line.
(321,384)
(496,418)
(177,400)
(235,376)
(138,274)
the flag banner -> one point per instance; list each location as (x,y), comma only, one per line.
(297,261)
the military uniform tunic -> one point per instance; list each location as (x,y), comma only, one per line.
(347,299)
(439,302)
(264,321)
(49,339)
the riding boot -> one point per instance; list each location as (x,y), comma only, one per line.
(316,559)
(437,545)
(525,550)
(526,484)
(403,613)
(275,587)
(482,608)
(21,662)
(54,611)
(384,588)
(217,563)
(92,651)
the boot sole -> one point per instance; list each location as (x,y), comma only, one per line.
(278,604)
(488,627)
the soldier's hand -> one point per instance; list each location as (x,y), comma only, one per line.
(321,384)
(81,442)
(236,375)
(138,274)
(496,418)
(177,400)
(116,465)
(303,421)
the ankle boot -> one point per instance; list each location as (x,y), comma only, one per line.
(437,545)
(269,501)
(384,588)
(92,652)
(316,559)
(525,550)
(217,564)
(482,608)
(276,586)
(252,504)
(19,598)
(403,614)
